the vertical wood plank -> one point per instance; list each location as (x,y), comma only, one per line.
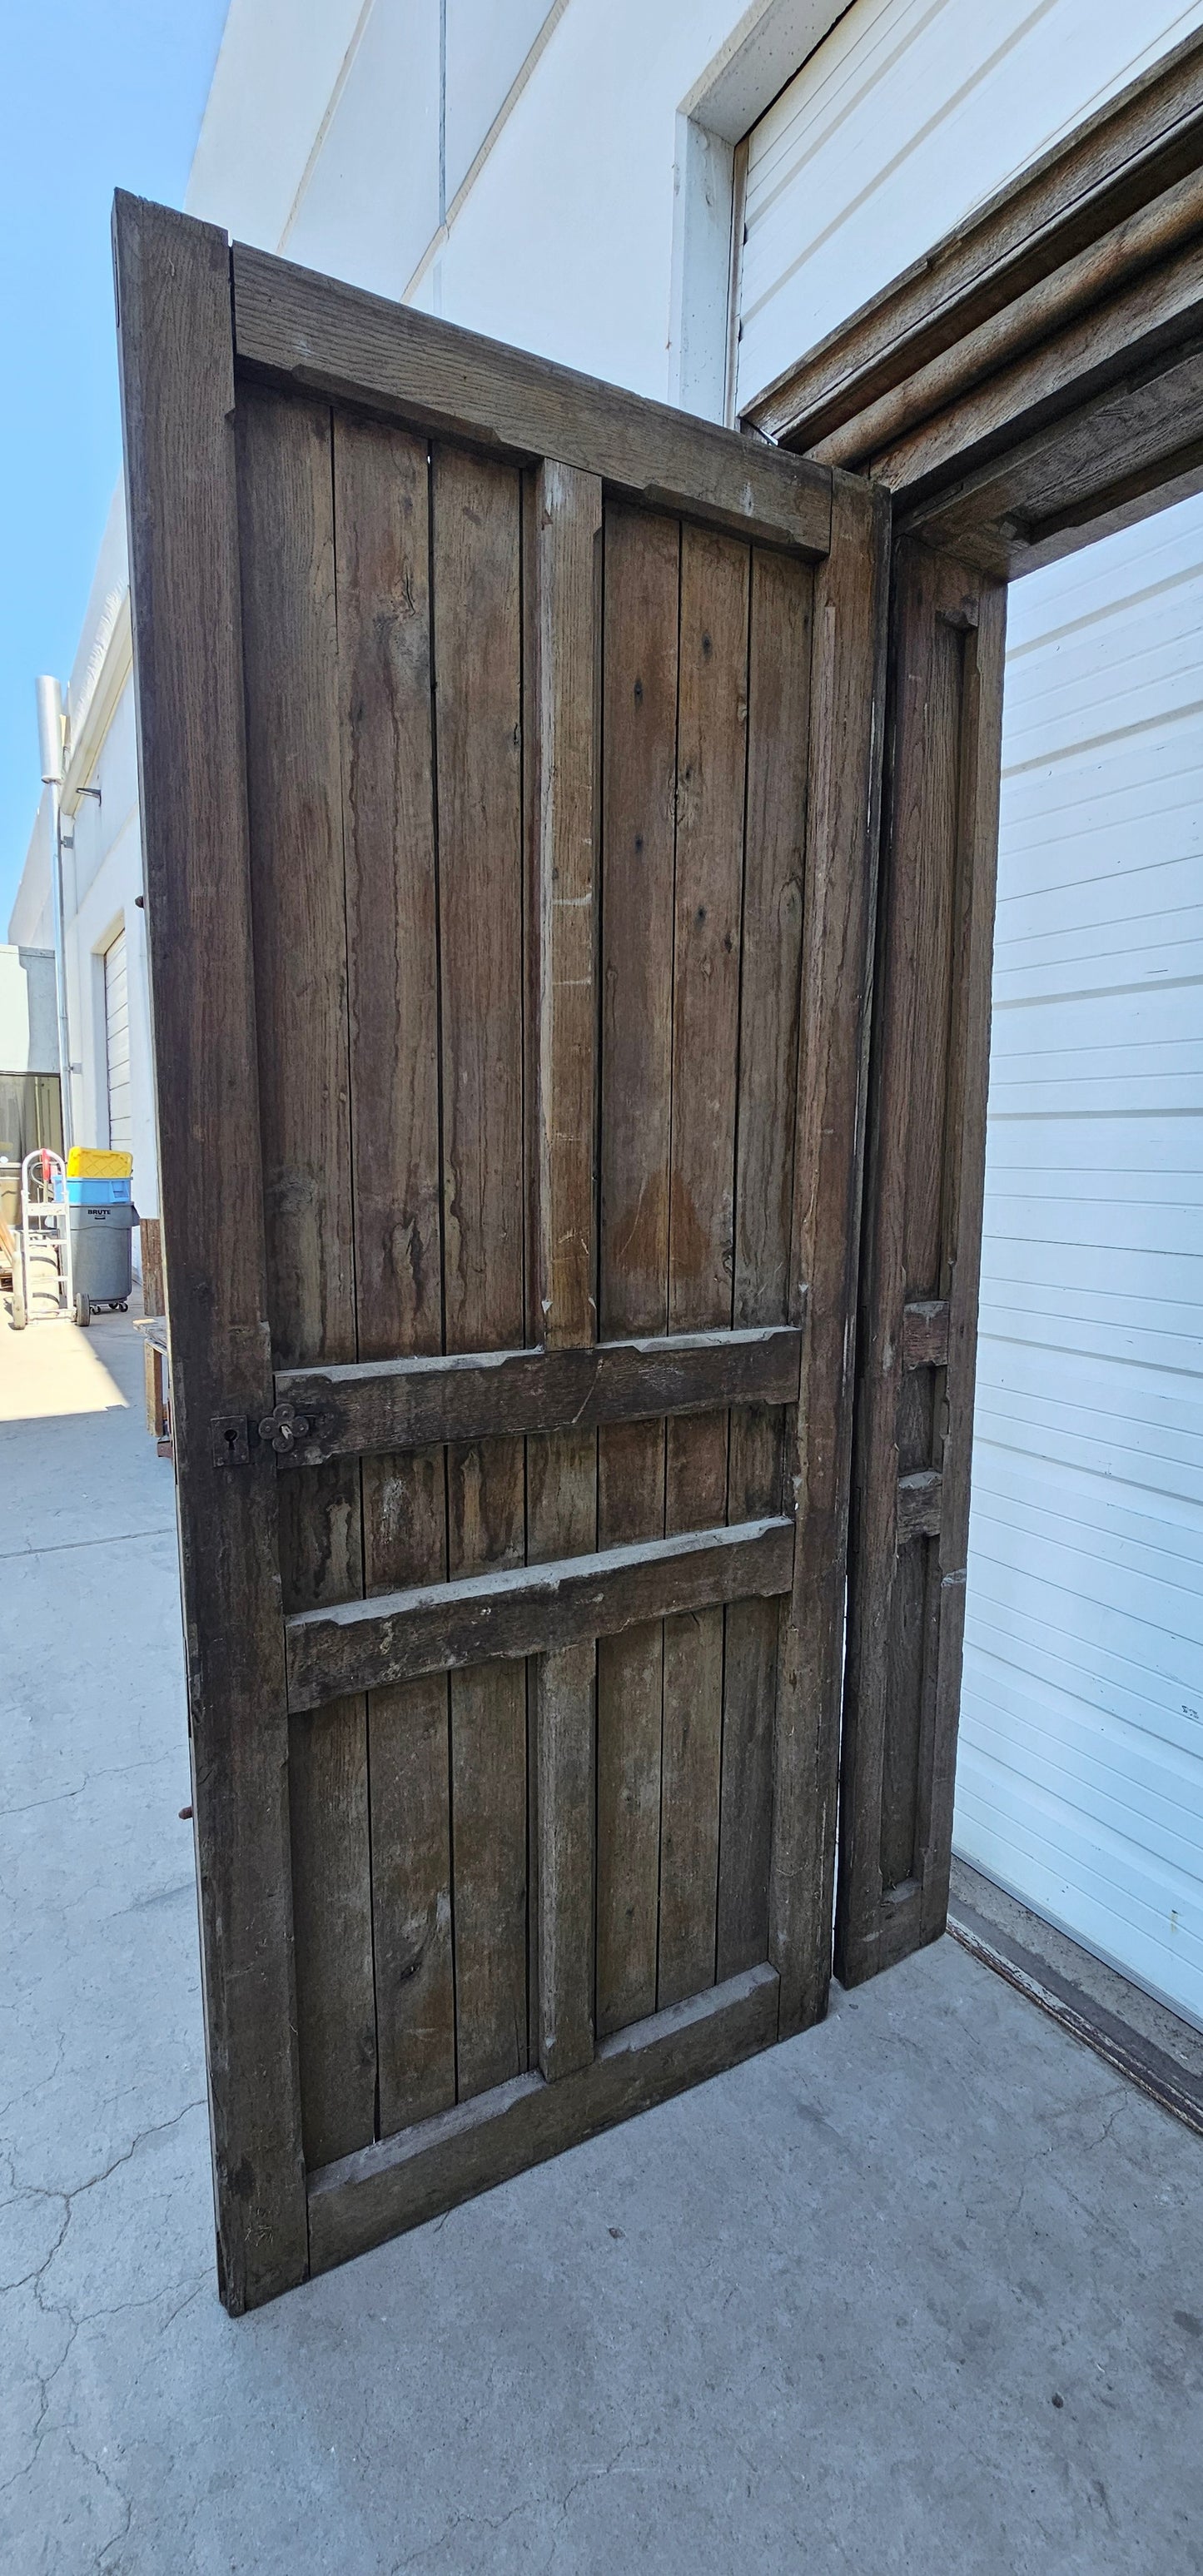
(964,1187)
(562,1473)
(923,1224)
(848,658)
(771,949)
(711,768)
(476,554)
(382,528)
(299,909)
(642,584)
(177,392)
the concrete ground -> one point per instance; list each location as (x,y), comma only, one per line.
(923,2289)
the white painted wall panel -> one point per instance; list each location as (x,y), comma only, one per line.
(370,198)
(277,69)
(1080,1776)
(486,48)
(117,1046)
(908,115)
(565,242)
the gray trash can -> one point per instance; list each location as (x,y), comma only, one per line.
(102,1245)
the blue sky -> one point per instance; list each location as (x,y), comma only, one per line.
(98,94)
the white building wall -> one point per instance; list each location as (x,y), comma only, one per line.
(585,231)
(102,865)
(31,922)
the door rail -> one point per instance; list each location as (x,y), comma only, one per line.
(386,1406)
(529,1609)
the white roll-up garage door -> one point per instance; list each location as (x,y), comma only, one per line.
(1080,1773)
(116,1039)
(1080,1780)
(909,113)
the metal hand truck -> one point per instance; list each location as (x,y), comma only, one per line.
(44,1290)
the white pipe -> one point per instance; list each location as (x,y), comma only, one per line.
(50,743)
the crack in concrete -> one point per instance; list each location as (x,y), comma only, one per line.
(60,1546)
(61,2311)
(490,2525)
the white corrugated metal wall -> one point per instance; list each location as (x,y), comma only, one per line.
(1080,1782)
(1080,1774)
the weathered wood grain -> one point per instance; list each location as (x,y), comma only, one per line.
(530,1610)
(294,784)
(642,587)
(562,1473)
(312,331)
(925,1333)
(890,1623)
(838,921)
(150,1253)
(409,2179)
(476,556)
(410,1404)
(1105,464)
(771,947)
(965,1175)
(382,534)
(1103,341)
(1048,318)
(177,393)
(712,701)
(918,1513)
(927,1144)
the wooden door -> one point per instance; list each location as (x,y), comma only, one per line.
(508,756)
(917,1343)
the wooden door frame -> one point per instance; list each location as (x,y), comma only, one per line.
(195,319)
(1032,384)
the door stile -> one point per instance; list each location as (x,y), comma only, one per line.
(177,382)
(564,559)
(926,1164)
(847,696)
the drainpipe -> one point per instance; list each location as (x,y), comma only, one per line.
(50,741)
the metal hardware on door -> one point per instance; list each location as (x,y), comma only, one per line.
(283,1428)
(229,1440)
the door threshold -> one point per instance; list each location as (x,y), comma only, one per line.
(1069,1984)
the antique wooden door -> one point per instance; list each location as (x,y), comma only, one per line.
(507,750)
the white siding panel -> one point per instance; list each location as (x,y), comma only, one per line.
(117,1046)
(911,113)
(1080,1773)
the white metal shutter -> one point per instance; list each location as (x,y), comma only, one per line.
(116,1039)
(1080,1775)
(910,113)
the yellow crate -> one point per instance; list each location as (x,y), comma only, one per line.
(96,1163)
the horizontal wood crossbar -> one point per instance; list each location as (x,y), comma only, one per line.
(309,331)
(529,1610)
(395,1405)
(381,2190)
